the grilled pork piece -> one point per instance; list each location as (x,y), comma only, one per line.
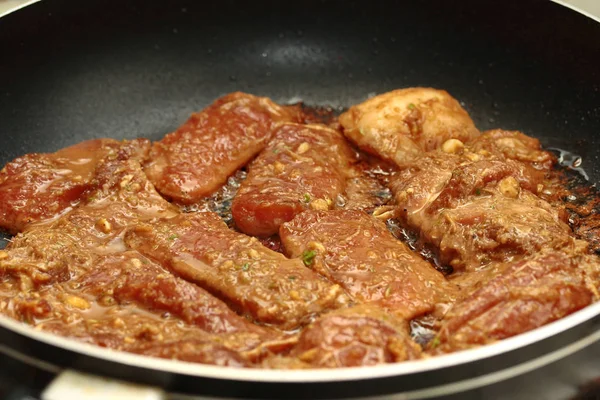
(357,251)
(199,156)
(204,351)
(61,249)
(74,276)
(130,277)
(37,186)
(525,295)
(477,208)
(353,337)
(512,145)
(401,125)
(304,167)
(257,281)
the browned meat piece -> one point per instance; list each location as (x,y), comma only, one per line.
(401,125)
(194,350)
(358,252)
(61,249)
(304,167)
(103,308)
(62,310)
(96,281)
(255,280)
(354,337)
(130,277)
(477,209)
(513,145)
(126,327)
(496,228)
(197,158)
(117,304)
(38,186)
(526,295)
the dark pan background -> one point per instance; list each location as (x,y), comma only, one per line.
(72,70)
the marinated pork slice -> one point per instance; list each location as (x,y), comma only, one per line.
(196,351)
(37,186)
(197,158)
(476,210)
(60,249)
(357,251)
(62,311)
(401,125)
(258,282)
(526,295)
(304,167)
(130,277)
(83,255)
(512,145)
(353,337)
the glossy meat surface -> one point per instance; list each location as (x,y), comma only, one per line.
(63,248)
(37,186)
(196,159)
(129,277)
(358,252)
(476,209)
(342,268)
(258,282)
(526,295)
(94,289)
(354,337)
(513,145)
(304,167)
(399,126)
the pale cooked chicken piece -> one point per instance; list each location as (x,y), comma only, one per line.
(400,125)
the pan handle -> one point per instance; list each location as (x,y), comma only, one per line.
(71,384)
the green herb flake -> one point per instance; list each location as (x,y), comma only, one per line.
(435,342)
(245,267)
(478,191)
(308,257)
(272,285)
(173,236)
(411,106)
(306,198)
(292,278)
(275,151)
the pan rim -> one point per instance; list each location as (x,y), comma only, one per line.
(563,3)
(578,9)
(311,375)
(18,7)
(308,375)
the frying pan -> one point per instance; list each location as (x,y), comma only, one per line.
(74,70)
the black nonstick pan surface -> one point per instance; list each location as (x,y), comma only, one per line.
(73,70)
